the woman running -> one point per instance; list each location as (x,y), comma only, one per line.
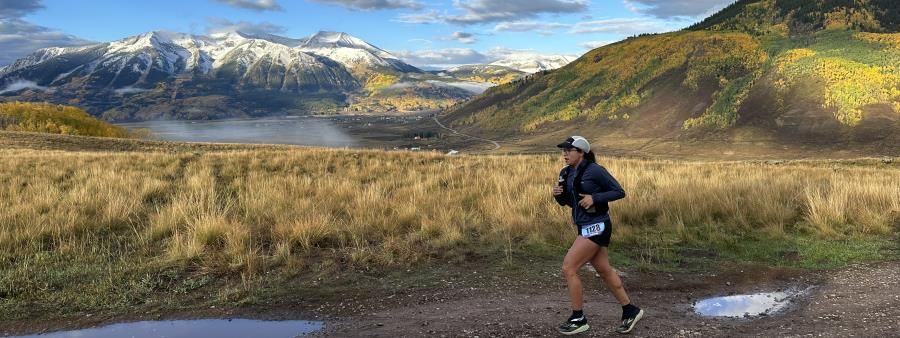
(588,188)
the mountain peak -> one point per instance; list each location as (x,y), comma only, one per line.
(326,39)
(152,39)
(350,50)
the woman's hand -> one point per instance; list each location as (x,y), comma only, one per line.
(557,190)
(587,201)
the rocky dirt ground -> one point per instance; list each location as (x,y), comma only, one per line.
(859,301)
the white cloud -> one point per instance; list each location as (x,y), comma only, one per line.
(463,37)
(221,25)
(425,41)
(594,44)
(257,5)
(19,85)
(667,9)
(18,8)
(623,26)
(19,38)
(129,90)
(400,85)
(485,11)
(472,87)
(499,53)
(529,26)
(429,17)
(368,5)
(475,12)
(442,58)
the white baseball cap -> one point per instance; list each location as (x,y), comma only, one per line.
(576,142)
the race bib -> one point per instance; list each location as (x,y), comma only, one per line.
(593,229)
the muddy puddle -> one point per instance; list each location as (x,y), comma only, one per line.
(750,305)
(223,328)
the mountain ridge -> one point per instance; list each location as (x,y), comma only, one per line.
(161,74)
(728,80)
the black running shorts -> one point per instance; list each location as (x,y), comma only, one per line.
(597,232)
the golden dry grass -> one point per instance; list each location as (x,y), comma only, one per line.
(243,210)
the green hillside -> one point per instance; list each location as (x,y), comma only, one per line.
(800,69)
(55,119)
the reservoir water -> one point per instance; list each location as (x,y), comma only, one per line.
(310,131)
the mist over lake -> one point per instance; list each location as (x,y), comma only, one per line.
(308,131)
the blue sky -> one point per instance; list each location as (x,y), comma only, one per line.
(422,32)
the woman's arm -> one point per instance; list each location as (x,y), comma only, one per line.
(610,190)
(564,199)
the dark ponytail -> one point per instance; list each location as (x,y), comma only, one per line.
(590,157)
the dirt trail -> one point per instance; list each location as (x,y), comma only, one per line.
(454,131)
(861,301)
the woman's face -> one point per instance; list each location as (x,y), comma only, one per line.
(572,156)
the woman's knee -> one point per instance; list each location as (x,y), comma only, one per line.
(605,270)
(569,269)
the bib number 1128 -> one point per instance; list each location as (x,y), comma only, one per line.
(593,229)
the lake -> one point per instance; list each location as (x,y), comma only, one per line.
(310,131)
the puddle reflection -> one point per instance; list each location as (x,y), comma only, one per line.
(758,304)
(224,328)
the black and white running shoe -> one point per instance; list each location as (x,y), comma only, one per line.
(573,326)
(629,321)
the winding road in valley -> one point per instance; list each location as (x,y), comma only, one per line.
(454,131)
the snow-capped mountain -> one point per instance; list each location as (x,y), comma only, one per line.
(148,58)
(352,52)
(179,70)
(533,63)
(483,73)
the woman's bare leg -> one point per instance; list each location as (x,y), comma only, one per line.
(600,261)
(581,252)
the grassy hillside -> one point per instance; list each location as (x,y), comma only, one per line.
(804,16)
(747,67)
(55,119)
(87,231)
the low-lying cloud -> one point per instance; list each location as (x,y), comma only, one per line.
(23,84)
(472,87)
(129,90)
